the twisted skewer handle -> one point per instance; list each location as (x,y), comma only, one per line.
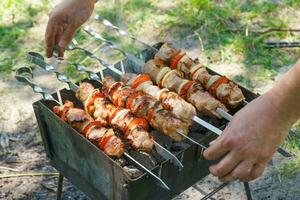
(122,32)
(39,60)
(24,74)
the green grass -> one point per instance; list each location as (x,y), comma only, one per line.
(16,19)
(223,21)
(290,168)
(292,143)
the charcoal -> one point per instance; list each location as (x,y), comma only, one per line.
(144,158)
(121,162)
(132,171)
(179,146)
(162,139)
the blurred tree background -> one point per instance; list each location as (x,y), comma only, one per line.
(233,33)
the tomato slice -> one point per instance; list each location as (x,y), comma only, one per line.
(132,97)
(186,88)
(139,80)
(175,59)
(140,122)
(213,88)
(150,114)
(114,114)
(87,127)
(114,88)
(194,72)
(104,142)
(91,102)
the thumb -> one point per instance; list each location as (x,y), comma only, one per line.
(67,36)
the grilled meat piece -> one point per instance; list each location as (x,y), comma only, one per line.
(101,136)
(178,105)
(166,52)
(134,129)
(147,107)
(191,91)
(218,86)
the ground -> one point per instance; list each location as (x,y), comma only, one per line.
(225,35)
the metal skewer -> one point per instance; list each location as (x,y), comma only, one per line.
(24,74)
(64,79)
(161,182)
(121,32)
(112,45)
(191,140)
(38,59)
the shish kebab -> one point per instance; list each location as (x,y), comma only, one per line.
(60,110)
(104,138)
(190,90)
(219,86)
(117,117)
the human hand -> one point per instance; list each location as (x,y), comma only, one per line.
(63,22)
(249,141)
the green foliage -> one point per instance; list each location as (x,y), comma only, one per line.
(290,168)
(129,47)
(9,42)
(16,18)
(110,14)
(111,37)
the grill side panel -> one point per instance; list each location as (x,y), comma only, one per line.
(195,168)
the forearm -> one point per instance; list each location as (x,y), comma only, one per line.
(285,96)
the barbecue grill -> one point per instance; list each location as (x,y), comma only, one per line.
(131,176)
(101,177)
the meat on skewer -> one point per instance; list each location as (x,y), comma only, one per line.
(219,86)
(190,90)
(134,129)
(142,82)
(147,107)
(102,137)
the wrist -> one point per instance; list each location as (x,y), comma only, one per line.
(282,101)
(92,2)
(89,3)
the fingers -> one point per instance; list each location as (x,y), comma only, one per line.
(67,36)
(258,170)
(57,39)
(226,165)
(216,149)
(50,34)
(241,172)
